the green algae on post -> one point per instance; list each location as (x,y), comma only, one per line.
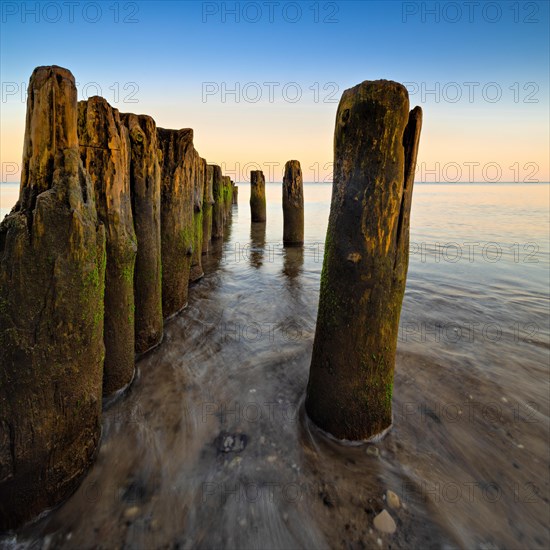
(105,152)
(228,196)
(207,203)
(219,205)
(145,194)
(198,206)
(177,189)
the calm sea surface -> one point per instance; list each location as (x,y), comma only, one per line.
(468,454)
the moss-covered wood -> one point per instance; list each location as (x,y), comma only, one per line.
(178,180)
(207,204)
(363,279)
(145,193)
(227,196)
(218,208)
(105,152)
(52,272)
(293,204)
(198,204)
(257,196)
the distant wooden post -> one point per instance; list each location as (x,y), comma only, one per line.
(227,196)
(257,196)
(207,203)
(376,139)
(293,204)
(219,206)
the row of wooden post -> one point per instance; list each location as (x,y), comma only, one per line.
(293,202)
(112,221)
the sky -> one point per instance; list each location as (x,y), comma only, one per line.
(259,82)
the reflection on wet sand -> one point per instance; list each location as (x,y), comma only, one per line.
(257,243)
(293,262)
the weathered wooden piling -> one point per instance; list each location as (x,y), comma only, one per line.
(228,195)
(363,280)
(219,206)
(52,272)
(177,203)
(196,260)
(105,199)
(105,152)
(145,193)
(207,204)
(235,193)
(257,196)
(293,204)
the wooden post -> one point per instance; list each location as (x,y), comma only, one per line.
(293,204)
(105,152)
(178,173)
(219,206)
(145,190)
(257,196)
(363,279)
(52,275)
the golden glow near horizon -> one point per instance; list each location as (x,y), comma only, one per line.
(245,136)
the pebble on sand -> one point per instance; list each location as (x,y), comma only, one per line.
(384,522)
(235,462)
(393,500)
(131,513)
(231,443)
(372,450)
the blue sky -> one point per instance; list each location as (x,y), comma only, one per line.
(163,54)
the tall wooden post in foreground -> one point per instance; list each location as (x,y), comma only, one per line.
(376,139)
(52,273)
